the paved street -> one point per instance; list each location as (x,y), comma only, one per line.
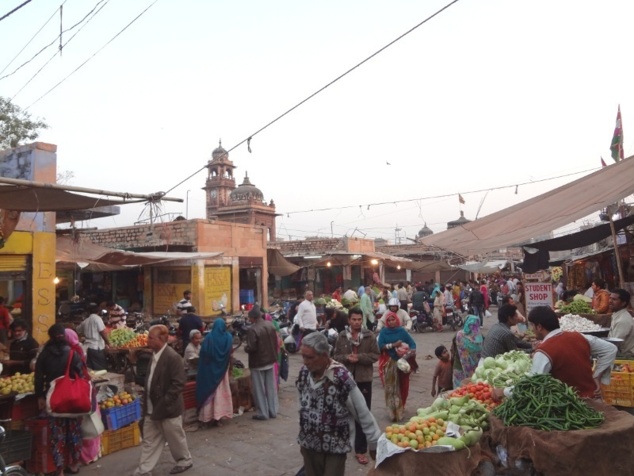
(245,446)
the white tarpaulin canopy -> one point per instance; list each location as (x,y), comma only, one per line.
(486,267)
(541,214)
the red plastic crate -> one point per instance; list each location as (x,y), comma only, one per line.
(19,409)
(118,417)
(42,454)
(189,395)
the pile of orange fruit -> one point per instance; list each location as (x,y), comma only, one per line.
(119,400)
(139,341)
(423,433)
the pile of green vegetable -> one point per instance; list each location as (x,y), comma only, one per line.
(544,403)
(577,307)
(503,370)
(237,372)
(120,337)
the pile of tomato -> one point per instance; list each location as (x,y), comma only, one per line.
(482,392)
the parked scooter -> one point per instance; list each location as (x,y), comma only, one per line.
(239,329)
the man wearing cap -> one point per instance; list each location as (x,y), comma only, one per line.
(94,330)
(262,347)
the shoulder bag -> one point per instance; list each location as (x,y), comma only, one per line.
(70,397)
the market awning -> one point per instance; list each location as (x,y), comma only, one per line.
(581,238)
(30,199)
(485,267)
(430,266)
(85,251)
(278,265)
(541,214)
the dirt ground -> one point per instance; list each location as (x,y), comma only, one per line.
(248,447)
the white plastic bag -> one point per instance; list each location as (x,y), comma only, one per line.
(487,313)
(403,365)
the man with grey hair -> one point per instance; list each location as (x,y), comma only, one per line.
(330,402)
(262,347)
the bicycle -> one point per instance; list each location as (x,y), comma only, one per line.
(12,469)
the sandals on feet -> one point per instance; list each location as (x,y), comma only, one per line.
(362,459)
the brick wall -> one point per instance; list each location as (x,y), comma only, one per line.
(232,239)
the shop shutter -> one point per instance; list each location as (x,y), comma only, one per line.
(13,262)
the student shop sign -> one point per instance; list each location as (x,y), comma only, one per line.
(538,294)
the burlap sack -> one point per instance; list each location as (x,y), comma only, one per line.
(604,451)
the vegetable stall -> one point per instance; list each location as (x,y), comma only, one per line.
(542,428)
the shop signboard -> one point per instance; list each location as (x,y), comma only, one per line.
(218,288)
(167,295)
(538,294)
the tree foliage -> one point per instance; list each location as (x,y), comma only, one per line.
(17,126)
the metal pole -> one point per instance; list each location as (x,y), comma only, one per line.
(70,188)
(616,252)
(187,204)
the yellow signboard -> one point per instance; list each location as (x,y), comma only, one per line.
(43,285)
(218,288)
(166,296)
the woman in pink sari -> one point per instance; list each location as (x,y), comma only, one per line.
(90,446)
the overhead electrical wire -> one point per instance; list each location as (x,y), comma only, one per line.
(32,38)
(248,139)
(54,40)
(92,56)
(61,48)
(14,10)
(444,195)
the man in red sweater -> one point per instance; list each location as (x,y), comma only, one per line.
(567,355)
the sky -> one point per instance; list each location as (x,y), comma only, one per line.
(490,100)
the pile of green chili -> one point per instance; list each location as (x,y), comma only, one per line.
(545,403)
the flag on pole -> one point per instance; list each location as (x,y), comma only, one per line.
(460,199)
(617,139)
(603,164)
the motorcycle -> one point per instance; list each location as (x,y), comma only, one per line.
(239,329)
(421,320)
(453,319)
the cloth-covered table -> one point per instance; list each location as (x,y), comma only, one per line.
(412,463)
(603,451)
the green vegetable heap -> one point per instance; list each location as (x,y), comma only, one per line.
(577,307)
(120,337)
(545,403)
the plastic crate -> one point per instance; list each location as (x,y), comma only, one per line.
(189,395)
(620,392)
(116,440)
(118,417)
(19,409)
(41,458)
(16,446)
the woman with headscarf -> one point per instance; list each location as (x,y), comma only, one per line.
(213,393)
(66,438)
(394,343)
(466,350)
(90,447)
